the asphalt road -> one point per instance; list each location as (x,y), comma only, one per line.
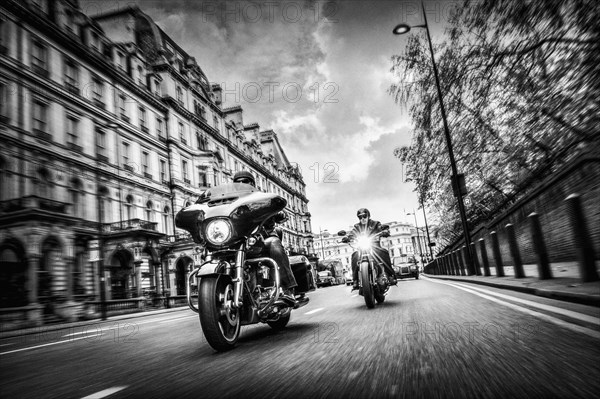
(428,339)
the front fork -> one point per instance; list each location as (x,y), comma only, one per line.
(238,280)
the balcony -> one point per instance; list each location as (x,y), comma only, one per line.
(186,180)
(184,141)
(33,202)
(127,225)
(128,168)
(124,117)
(40,134)
(102,158)
(144,128)
(162,138)
(147,175)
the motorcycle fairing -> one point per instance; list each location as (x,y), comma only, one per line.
(242,204)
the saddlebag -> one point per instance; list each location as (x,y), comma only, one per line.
(301,271)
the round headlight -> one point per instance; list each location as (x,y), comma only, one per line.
(364,242)
(218,231)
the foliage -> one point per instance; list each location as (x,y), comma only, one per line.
(521,88)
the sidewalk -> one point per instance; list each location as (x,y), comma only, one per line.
(59,326)
(566,285)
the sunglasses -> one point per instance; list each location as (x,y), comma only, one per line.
(363,217)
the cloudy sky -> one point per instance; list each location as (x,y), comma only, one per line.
(317,73)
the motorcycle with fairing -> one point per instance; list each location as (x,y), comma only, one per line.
(237,285)
(372,281)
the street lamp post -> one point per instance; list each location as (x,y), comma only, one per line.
(418,238)
(427,230)
(399,30)
(322,248)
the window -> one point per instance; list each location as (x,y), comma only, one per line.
(121,105)
(72,125)
(125,153)
(202,180)
(163,170)
(179,92)
(39,58)
(97,90)
(159,127)
(215,177)
(71,76)
(100,142)
(142,116)
(40,110)
(216,122)
(182,133)
(202,141)
(129,207)
(120,61)
(94,41)
(149,212)
(145,159)
(157,87)
(3,36)
(76,198)
(184,170)
(70,21)
(140,71)
(166,224)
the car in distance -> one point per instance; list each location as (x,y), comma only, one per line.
(405,269)
(325,278)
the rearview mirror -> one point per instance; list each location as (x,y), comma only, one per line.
(341,233)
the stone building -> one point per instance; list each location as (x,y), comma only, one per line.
(109,128)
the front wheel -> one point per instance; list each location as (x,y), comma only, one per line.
(367,288)
(219,319)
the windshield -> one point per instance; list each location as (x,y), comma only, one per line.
(225,190)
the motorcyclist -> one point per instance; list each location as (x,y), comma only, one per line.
(273,247)
(371,227)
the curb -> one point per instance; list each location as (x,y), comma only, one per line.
(583,299)
(61,326)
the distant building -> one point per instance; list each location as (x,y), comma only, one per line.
(108,129)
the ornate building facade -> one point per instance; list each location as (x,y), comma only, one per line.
(108,129)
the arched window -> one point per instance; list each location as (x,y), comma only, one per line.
(129,207)
(149,212)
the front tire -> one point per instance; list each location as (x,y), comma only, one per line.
(367,287)
(220,321)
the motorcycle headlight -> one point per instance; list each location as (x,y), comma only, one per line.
(364,243)
(218,231)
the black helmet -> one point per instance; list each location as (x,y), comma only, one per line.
(243,176)
(363,211)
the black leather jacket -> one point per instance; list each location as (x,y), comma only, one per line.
(372,228)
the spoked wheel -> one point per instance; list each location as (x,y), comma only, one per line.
(219,319)
(367,287)
(280,323)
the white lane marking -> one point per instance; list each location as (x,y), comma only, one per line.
(562,323)
(77,333)
(51,343)
(177,318)
(104,393)
(314,311)
(554,309)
